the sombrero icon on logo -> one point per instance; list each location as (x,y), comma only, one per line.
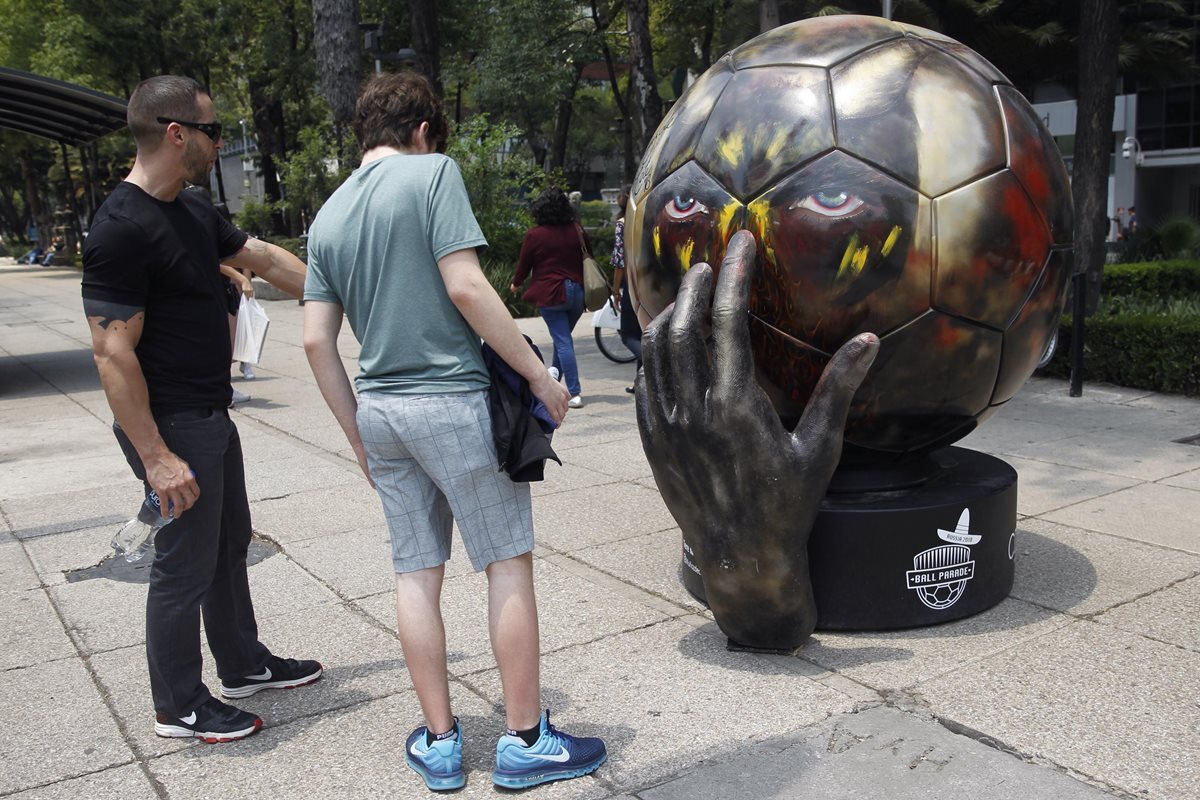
(939,575)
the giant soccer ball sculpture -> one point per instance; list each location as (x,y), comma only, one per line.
(896,183)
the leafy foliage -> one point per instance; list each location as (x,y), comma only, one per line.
(498,181)
(1144,331)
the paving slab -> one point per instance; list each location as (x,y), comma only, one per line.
(650,562)
(353,563)
(362,662)
(1184,480)
(568,613)
(102,614)
(16,571)
(857,755)
(312,424)
(42,478)
(567,477)
(1000,435)
(86,741)
(1117,708)
(598,515)
(1093,415)
(1084,573)
(30,632)
(1043,486)
(1149,512)
(303,513)
(895,660)
(74,509)
(280,585)
(623,458)
(57,556)
(1168,615)
(286,476)
(117,783)
(666,697)
(1144,459)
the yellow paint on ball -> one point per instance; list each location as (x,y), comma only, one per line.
(890,242)
(776,145)
(860,259)
(657,241)
(725,219)
(730,147)
(847,256)
(684,252)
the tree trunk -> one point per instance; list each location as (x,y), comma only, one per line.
(562,122)
(75,229)
(1099,38)
(425,40)
(33,202)
(620,102)
(268,110)
(649,104)
(768,15)
(12,218)
(336,42)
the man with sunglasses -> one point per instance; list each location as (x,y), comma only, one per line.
(155,303)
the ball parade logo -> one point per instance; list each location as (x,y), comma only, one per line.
(939,575)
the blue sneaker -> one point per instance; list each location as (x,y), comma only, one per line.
(439,763)
(555,756)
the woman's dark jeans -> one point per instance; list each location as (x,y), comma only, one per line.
(561,319)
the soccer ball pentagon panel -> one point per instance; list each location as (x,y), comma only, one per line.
(895,183)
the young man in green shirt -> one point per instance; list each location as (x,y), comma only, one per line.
(395,249)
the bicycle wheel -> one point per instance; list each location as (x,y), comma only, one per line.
(610,344)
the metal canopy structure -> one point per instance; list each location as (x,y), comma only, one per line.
(56,110)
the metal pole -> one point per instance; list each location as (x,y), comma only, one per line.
(1079,307)
(887,9)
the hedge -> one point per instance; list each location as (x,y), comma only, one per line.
(1161,278)
(1145,352)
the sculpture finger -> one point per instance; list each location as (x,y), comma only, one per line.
(689,351)
(826,411)
(657,393)
(733,363)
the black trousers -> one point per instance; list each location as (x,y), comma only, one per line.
(200,566)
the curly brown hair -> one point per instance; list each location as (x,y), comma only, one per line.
(552,208)
(392,105)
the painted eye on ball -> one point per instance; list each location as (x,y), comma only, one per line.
(681,208)
(830,204)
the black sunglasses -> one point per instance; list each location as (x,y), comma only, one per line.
(210,129)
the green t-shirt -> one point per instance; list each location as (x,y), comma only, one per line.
(374,248)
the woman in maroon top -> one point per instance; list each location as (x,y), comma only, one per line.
(552,252)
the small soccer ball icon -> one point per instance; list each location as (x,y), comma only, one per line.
(896,183)
(944,596)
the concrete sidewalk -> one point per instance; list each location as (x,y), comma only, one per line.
(1085,683)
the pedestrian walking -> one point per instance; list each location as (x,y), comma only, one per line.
(552,259)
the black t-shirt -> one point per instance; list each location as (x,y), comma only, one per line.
(165,258)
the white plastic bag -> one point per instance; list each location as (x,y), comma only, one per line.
(606,317)
(251,331)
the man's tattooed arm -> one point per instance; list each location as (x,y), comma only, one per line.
(105,313)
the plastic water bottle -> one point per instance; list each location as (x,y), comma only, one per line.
(136,537)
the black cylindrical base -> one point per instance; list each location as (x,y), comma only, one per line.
(927,554)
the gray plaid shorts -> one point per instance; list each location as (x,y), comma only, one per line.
(434,462)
